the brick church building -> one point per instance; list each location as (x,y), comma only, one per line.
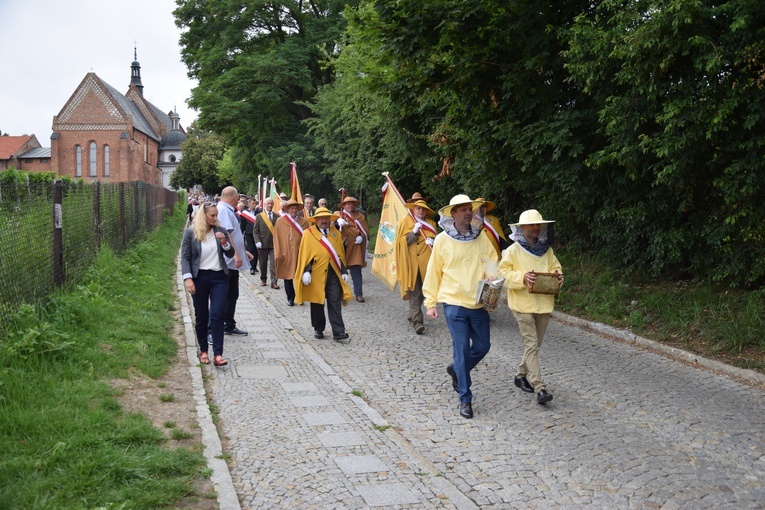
(101,134)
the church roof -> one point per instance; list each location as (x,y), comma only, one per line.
(139,121)
(172,140)
(39,152)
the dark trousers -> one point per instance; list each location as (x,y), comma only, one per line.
(334,295)
(209,307)
(231,297)
(249,245)
(356,277)
(289,289)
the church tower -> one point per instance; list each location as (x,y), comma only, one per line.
(135,72)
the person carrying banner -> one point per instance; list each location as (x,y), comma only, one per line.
(263,234)
(462,256)
(288,231)
(355,232)
(414,240)
(321,275)
(491,225)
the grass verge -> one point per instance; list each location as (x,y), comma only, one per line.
(65,441)
(697,316)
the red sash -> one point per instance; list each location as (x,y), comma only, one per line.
(358,225)
(247,215)
(492,232)
(333,256)
(294,223)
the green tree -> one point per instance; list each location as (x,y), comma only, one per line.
(203,152)
(258,65)
(678,89)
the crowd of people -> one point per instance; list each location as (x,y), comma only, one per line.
(315,252)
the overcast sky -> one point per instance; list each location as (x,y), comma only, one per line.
(48,46)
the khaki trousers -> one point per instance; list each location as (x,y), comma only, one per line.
(533,327)
(415,303)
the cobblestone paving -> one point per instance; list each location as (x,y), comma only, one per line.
(315,424)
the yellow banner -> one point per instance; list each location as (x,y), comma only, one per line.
(393,209)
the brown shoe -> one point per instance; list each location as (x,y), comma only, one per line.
(274,286)
(360,299)
(262,283)
(420,329)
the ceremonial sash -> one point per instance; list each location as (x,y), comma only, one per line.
(427,226)
(358,225)
(492,232)
(333,256)
(247,215)
(294,223)
(268,222)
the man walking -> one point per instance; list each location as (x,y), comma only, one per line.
(414,241)
(321,275)
(355,230)
(288,232)
(530,254)
(241,259)
(263,233)
(461,257)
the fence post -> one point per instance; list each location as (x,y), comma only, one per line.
(58,245)
(122,216)
(97,215)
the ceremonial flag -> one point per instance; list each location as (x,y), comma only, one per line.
(295,193)
(259,195)
(393,210)
(275,195)
(342,194)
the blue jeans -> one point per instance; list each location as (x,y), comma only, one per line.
(470,343)
(210,300)
(356,277)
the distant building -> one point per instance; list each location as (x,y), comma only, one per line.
(15,151)
(102,135)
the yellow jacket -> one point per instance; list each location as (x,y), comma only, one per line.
(497,226)
(313,252)
(516,261)
(454,270)
(411,259)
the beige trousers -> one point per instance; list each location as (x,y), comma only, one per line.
(533,327)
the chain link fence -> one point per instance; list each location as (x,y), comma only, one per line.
(50,233)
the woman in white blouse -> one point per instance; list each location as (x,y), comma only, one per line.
(204,275)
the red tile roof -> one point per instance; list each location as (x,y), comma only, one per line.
(10,145)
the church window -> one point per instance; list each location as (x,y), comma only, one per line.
(78,161)
(106,161)
(92,157)
(172,158)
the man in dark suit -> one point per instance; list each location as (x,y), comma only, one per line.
(263,235)
(248,217)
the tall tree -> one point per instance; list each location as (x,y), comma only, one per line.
(258,63)
(203,152)
(678,86)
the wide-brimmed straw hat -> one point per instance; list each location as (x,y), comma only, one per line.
(322,212)
(348,200)
(488,203)
(415,198)
(292,201)
(423,204)
(531,217)
(455,201)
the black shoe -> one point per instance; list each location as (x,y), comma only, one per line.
(343,339)
(450,371)
(466,410)
(235,332)
(543,397)
(420,329)
(318,334)
(290,303)
(252,271)
(524,384)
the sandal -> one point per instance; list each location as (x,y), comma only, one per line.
(219,361)
(204,358)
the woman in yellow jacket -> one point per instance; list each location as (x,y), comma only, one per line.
(531,253)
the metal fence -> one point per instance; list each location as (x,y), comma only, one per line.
(50,233)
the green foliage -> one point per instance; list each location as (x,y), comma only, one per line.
(65,441)
(20,177)
(203,152)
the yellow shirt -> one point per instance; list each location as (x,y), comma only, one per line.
(516,261)
(454,270)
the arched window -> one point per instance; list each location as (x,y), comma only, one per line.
(78,161)
(172,159)
(92,158)
(106,161)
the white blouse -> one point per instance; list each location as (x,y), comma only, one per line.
(209,259)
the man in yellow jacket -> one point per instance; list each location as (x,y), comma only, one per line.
(462,256)
(530,254)
(414,240)
(492,227)
(321,275)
